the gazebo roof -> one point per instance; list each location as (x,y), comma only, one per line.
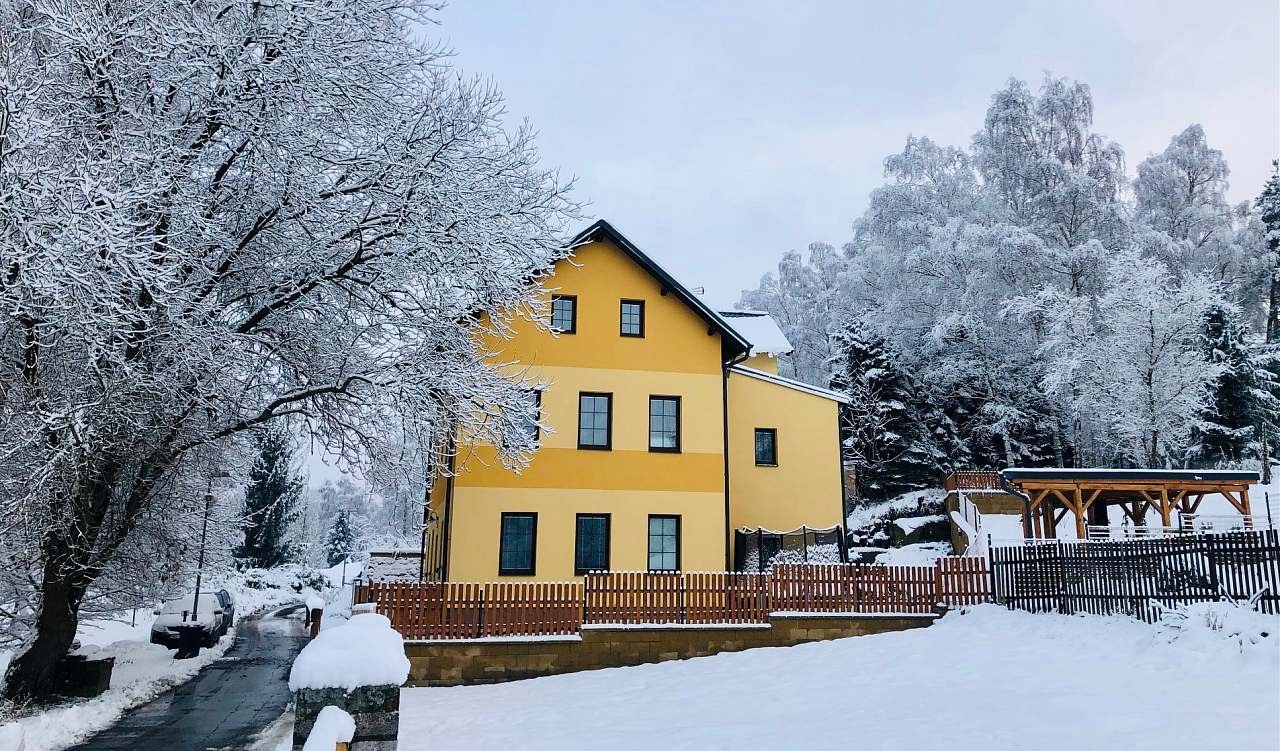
(1055,474)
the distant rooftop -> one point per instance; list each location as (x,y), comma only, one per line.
(759,328)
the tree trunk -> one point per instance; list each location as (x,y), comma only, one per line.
(1273,309)
(33,673)
(69,568)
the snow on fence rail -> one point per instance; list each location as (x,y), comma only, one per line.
(468,610)
(1139,577)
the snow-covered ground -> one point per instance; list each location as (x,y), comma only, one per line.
(142,670)
(982,680)
(863,515)
(915,554)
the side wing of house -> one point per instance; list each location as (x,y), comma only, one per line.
(784,453)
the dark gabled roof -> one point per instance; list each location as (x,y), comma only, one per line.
(733,342)
(1169,475)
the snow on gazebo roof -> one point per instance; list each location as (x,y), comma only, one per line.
(1169,475)
(759,328)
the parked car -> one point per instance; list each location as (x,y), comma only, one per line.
(217,613)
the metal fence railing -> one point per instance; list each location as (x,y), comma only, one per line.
(1139,577)
(759,550)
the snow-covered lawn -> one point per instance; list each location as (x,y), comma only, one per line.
(982,680)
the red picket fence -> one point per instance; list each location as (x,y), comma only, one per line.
(467,610)
(630,597)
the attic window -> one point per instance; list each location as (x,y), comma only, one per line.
(632,317)
(564,314)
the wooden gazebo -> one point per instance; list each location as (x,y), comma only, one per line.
(1052,493)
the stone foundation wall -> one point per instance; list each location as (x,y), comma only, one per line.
(494,660)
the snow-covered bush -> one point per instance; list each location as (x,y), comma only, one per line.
(820,553)
(1203,624)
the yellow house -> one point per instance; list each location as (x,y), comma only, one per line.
(664,430)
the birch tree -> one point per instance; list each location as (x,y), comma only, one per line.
(217,216)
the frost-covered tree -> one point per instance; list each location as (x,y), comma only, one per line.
(804,298)
(1182,212)
(1266,266)
(270,501)
(216,216)
(341,541)
(1128,365)
(989,268)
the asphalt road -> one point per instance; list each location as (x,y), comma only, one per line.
(224,705)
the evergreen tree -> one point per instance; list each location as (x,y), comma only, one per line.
(1269,209)
(884,428)
(270,502)
(341,539)
(1242,401)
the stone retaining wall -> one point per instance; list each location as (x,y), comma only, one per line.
(494,660)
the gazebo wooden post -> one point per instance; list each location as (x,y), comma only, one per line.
(1082,532)
(1165,516)
(1245,508)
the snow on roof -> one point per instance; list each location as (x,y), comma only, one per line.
(1103,473)
(759,328)
(789,383)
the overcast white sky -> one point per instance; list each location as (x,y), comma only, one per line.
(718,135)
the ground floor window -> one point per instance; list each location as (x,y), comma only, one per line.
(664,543)
(591,548)
(518,544)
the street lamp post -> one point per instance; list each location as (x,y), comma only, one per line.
(204,533)
(190,637)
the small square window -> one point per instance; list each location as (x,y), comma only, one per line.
(632,317)
(664,543)
(664,423)
(564,314)
(595,415)
(766,447)
(518,544)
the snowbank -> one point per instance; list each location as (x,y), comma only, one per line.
(976,680)
(909,524)
(362,651)
(333,726)
(141,672)
(916,554)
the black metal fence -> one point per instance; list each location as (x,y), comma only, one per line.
(1139,577)
(759,549)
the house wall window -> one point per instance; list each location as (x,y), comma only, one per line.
(664,423)
(531,414)
(595,417)
(632,318)
(564,314)
(518,544)
(591,545)
(766,447)
(664,543)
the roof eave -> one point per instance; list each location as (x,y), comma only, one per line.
(735,344)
